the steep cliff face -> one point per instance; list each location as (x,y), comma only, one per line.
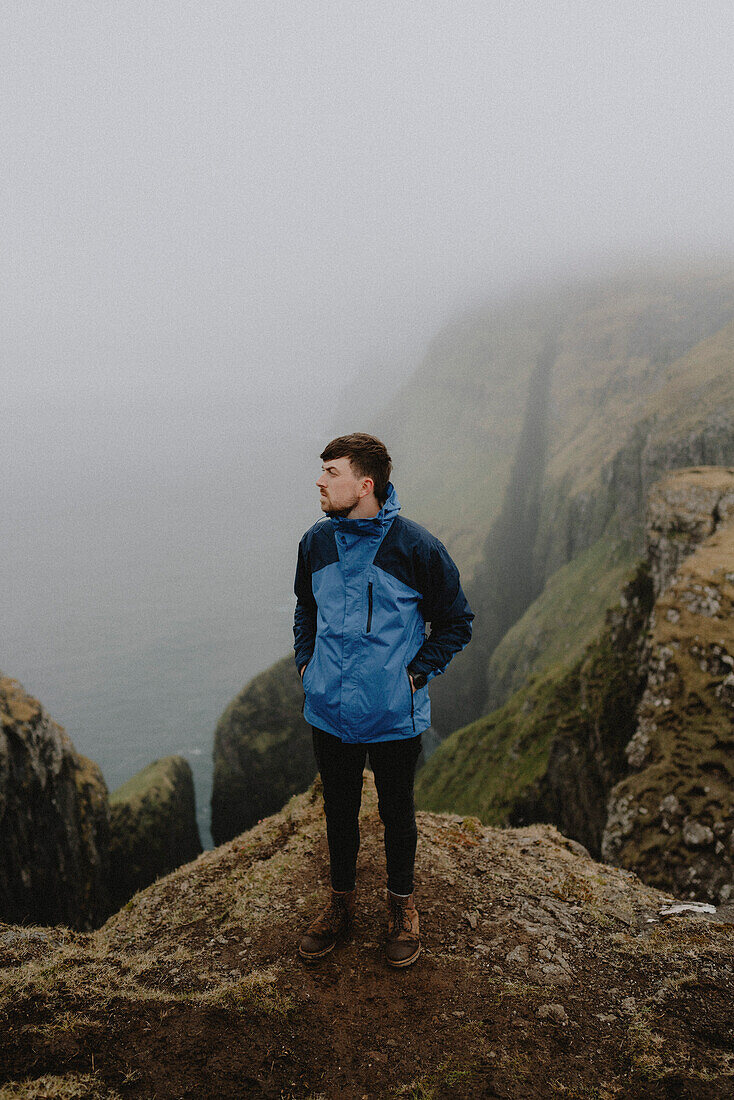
(262,751)
(671,818)
(153,826)
(452,430)
(503,584)
(69,852)
(564,620)
(54,820)
(455,428)
(622,416)
(616,422)
(651,697)
(543,974)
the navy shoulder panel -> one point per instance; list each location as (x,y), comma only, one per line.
(319,545)
(403,552)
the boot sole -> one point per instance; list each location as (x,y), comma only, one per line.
(404,962)
(316,954)
(341,938)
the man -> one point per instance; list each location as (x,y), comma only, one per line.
(367,581)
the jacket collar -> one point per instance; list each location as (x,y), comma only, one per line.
(374,524)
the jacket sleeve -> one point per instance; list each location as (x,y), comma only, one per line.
(304,618)
(445,607)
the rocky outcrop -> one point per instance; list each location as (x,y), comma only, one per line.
(570,610)
(153,826)
(263,751)
(671,818)
(54,820)
(683,509)
(628,752)
(543,974)
(69,852)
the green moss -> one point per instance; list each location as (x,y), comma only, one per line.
(565,618)
(154,782)
(482,768)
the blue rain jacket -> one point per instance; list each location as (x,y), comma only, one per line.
(365,590)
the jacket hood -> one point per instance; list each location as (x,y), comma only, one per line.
(383,519)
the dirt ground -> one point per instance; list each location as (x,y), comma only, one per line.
(544,974)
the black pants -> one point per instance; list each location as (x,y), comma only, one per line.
(341,766)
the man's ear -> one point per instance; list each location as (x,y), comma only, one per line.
(368,486)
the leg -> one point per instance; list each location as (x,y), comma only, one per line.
(393,763)
(341,768)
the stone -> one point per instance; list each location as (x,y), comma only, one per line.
(696,835)
(685,909)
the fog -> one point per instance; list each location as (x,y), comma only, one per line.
(219,215)
(207,202)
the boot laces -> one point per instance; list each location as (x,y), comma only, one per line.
(401,920)
(331,917)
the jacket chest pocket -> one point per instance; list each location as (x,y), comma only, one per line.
(369,607)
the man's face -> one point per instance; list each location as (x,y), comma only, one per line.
(339,487)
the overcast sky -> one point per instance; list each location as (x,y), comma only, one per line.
(215,212)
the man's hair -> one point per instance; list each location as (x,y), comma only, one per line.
(368,457)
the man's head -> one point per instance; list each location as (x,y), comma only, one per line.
(355,471)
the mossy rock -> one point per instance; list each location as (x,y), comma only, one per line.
(153,826)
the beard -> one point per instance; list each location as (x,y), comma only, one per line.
(344,511)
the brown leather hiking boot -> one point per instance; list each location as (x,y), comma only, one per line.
(331,924)
(403,942)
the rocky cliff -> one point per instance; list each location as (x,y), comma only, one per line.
(69,852)
(543,974)
(152,825)
(54,820)
(671,818)
(562,748)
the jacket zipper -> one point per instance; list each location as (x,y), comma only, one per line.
(412,701)
(369,604)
